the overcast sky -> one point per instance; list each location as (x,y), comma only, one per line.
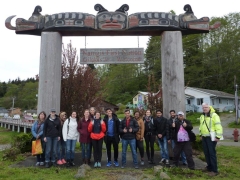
(20,53)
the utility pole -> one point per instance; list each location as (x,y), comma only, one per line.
(236,102)
(13,98)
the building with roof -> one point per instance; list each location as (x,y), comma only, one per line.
(141,98)
(221,101)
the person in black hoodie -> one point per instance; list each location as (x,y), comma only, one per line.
(51,134)
(112,136)
(128,128)
(149,135)
(162,134)
(182,129)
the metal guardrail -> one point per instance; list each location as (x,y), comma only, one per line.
(19,122)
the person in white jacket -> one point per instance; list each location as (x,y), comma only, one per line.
(70,136)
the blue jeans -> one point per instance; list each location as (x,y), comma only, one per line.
(132,144)
(183,156)
(51,149)
(164,147)
(71,144)
(85,150)
(209,149)
(61,149)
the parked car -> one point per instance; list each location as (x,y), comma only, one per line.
(16,117)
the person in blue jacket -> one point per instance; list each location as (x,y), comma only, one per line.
(37,132)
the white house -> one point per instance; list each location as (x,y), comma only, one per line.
(141,99)
(219,100)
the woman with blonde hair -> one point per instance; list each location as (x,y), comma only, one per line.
(85,136)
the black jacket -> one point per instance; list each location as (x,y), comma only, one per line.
(171,131)
(162,126)
(150,126)
(179,123)
(52,128)
(116,124)
(129,135)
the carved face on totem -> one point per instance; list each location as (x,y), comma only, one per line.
(111,21)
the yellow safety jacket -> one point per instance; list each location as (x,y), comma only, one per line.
(213,122)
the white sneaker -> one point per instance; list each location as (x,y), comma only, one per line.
(162,160)
(167,161)
(37,164)
(41,163)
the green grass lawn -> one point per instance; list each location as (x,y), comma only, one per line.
(6,136)
(228,161)
(234,125)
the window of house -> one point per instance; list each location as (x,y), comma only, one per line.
(220,101)
(188,101)
(199,101)
(212,101)
(135,99)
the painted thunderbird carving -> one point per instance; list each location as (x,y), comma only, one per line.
(111,23)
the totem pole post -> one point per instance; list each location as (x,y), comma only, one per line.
(172,72)
(49,90)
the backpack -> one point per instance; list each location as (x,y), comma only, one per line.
(192,136)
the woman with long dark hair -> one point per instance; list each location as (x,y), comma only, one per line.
(149,135)
(37,132)
(70,136)
(97,128)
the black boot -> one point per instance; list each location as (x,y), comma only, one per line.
(47,165)
(68,163)
(72,163)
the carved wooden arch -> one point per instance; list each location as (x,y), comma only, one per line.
(113,23)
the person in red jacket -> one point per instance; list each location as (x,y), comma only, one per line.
(85,136)
(97,129)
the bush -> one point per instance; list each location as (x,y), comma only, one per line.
(193,117)
(11,154)
(21,144)
(197,145)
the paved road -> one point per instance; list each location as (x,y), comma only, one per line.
(31,161)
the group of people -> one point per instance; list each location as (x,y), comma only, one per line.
(59,135)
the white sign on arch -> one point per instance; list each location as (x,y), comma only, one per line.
(111,56)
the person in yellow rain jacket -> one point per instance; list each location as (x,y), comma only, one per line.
(210,122)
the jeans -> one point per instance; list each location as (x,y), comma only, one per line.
(139,145)
(209,149)
(51,149)
(163,144)
(85,150)
(183,157)
(61,149)
(97,149)
(132,144)
(41,157)
(70,145)
(109,142)
(187,148)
